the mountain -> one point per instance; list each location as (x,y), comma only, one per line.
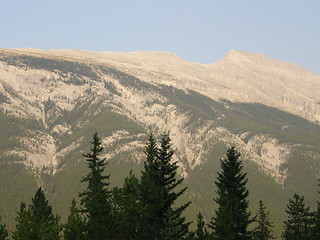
(51,102)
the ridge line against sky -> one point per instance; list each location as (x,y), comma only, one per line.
(198,31)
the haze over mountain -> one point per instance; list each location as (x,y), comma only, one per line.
(52,101)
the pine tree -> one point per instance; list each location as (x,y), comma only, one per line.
(201,232)
(297,226)
(96,199)
(158,194)
(37,222)
(263,231)
(127,208)
(232,217)
(74,229)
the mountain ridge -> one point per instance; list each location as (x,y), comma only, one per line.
(239,76)
(40,86)
(51,104)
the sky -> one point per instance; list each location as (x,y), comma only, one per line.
(200,31)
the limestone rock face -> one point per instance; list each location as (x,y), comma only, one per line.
(52,93)
(239,76)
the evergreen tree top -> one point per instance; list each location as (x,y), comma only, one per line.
(93,156)
(158,182)
(263,231)
(297,225)
(96,177)
(231,180)
(297,206)
(40,207)
(232,216)
(96,198)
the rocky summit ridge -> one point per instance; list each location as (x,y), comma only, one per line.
(240,76)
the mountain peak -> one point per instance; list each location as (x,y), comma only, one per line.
(242,56)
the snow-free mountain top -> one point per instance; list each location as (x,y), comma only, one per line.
(51,101)
(49,84)
(239,76)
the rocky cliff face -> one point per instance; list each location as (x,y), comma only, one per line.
(47,85)
(240,76)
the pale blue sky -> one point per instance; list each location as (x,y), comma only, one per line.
(196,30)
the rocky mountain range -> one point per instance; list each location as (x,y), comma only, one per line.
(51,101)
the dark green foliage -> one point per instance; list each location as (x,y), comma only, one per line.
(263,231)
(315,230)
(3,232)
(24,224)
(37,222)
(232,218)
(95,200)
(128,208)
(75,227)
(160,216)
(174,227)
(201,232)
(298,224)
(151,221)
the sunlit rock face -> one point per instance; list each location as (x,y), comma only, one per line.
(63,90)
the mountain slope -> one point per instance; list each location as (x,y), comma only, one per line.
(52,101)
(240,76)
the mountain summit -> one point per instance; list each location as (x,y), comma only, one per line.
(239,76)
(51,101)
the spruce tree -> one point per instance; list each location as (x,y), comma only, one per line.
(298,224)
(169,182)
(24,224)
(96,199)
(232,218)
(151,219)
(127,206)
(158,194)
(46,224)
(74,229)
(201,232)
(37,222)
(263,231)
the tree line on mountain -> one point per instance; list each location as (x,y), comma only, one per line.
(146,208)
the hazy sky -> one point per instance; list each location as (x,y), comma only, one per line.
(196,30)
